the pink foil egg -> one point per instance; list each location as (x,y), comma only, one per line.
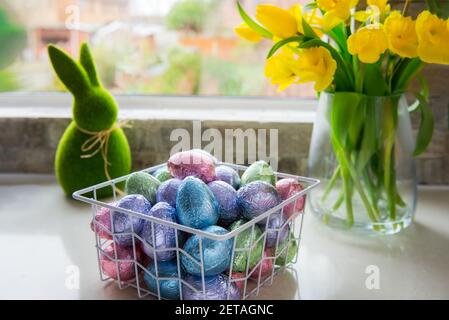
(265,267)
(287,188)
(239,283)
(126,268)
(195,163)
(102,225)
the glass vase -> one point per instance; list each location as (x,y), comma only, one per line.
(362,151)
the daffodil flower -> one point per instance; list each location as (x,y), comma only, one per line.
(316,65)
(245,32)
(337,11)
(401,34)
(433,38)
(368,43)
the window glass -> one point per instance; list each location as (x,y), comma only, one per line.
(169,47)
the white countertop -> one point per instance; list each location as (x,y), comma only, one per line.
(45,238)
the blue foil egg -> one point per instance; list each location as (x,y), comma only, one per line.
(226,196)
(216,253)
(125,223)
(276,221)
(216,288)
(257,197)
(196,204)
(167,191)
(168,289)
(228,175)
(164,236)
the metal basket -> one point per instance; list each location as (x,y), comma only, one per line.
(250,281)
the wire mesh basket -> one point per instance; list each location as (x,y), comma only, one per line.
(132,269)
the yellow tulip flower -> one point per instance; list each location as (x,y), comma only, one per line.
(245,32)
(279,68)
(376,11)
(382,5)
(368,43)
(316,65)
(337,11)
(433,38)
(280,22)
(401,34)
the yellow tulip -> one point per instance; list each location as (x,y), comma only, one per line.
(376,11)
(433,38)
(245,32)
(337,11)
(401,34)
(279,68)
(280,22)
(316,65)
(369,43)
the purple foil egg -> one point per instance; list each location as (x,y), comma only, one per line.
(195,163)
(101,224)
(274,225)
(125,223)
(257,197)
(228,175)
(126,269)
(196,205)
(167,191)
(164,236)
(216,288)
(226,196)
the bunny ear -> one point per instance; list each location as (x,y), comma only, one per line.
(69,71)
(87,62)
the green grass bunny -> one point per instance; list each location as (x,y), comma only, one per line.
(93,136)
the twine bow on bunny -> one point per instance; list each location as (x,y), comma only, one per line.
(99,142)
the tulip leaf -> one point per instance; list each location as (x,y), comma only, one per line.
(308,31)
(282,43)
(405,73)
(252,24)
(374,82)
(426,127)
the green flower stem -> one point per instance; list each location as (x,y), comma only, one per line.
(330,185)
(348,196)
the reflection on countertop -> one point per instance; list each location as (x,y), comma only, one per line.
(44,236)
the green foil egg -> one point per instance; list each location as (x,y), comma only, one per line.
(258,171)
(144,184)
(287,257)
(244,241)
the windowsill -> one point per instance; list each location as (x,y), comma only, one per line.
(257,109)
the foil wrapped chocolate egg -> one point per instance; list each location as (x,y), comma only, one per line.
(216,254)
(276,227)
(162,174)
(168,289)
(265,268)
(246,240)
(287,188)
(228,175)
(126,223)
(239,278)
(258,171)
(167,191)
(226,197)
(216,287)
(144,184)
(101,223)
(196,205)
(164,237)
(119,270)
(285,257)
(195,163)
(257,197)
